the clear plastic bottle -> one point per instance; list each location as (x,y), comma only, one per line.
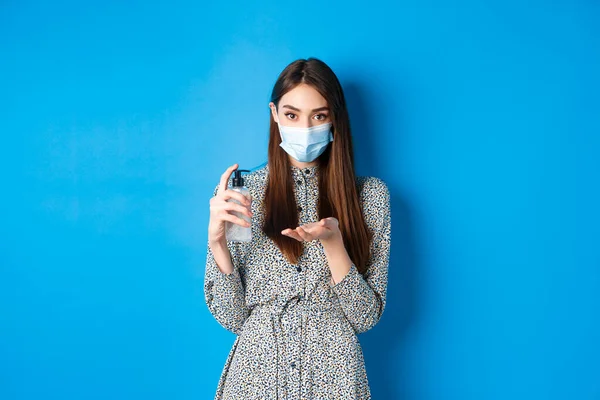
(235,232)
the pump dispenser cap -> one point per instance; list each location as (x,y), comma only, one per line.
(237,177)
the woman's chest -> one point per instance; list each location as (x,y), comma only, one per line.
(267,271)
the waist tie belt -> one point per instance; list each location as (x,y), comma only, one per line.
(276,312)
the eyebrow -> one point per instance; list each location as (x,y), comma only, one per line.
(297,109)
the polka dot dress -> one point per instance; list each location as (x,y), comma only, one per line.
(296,330)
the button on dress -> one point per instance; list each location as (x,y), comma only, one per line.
(296,330)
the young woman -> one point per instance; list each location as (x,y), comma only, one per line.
(315,273)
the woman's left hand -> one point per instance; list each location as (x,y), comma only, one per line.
(324,230)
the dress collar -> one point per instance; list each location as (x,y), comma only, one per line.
(307,172)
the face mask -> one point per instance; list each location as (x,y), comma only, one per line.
(305,144)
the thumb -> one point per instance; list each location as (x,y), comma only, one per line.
(329,222)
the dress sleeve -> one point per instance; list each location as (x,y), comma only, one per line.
(224,293)
(362,298)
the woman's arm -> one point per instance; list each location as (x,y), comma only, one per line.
(338,258)
(224,291)
(363,298)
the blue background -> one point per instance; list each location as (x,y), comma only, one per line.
(117,120)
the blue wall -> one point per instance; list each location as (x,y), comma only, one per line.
(117,121)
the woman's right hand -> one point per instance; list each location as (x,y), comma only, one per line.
(221,210)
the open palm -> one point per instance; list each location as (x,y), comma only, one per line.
(324,229)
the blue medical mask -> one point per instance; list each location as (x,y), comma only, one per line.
(305,144)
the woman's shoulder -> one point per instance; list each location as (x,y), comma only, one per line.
(372,186)
(257,177)
(374,198)
(256,182)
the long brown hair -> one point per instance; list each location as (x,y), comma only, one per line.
(338,195)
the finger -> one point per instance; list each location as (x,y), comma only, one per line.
(303,234)
(231,207)
(232,194)
(312,228)
(292,233)
(225,216)
(310,225)
(225,177)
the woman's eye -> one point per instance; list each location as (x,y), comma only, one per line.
(288,115)
(323,116)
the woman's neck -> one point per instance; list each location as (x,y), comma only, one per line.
(300,164)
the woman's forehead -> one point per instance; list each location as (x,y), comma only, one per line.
(303,97)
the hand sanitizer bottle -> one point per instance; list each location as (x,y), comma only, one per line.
(235,232)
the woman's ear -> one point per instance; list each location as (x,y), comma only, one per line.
(273,111)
